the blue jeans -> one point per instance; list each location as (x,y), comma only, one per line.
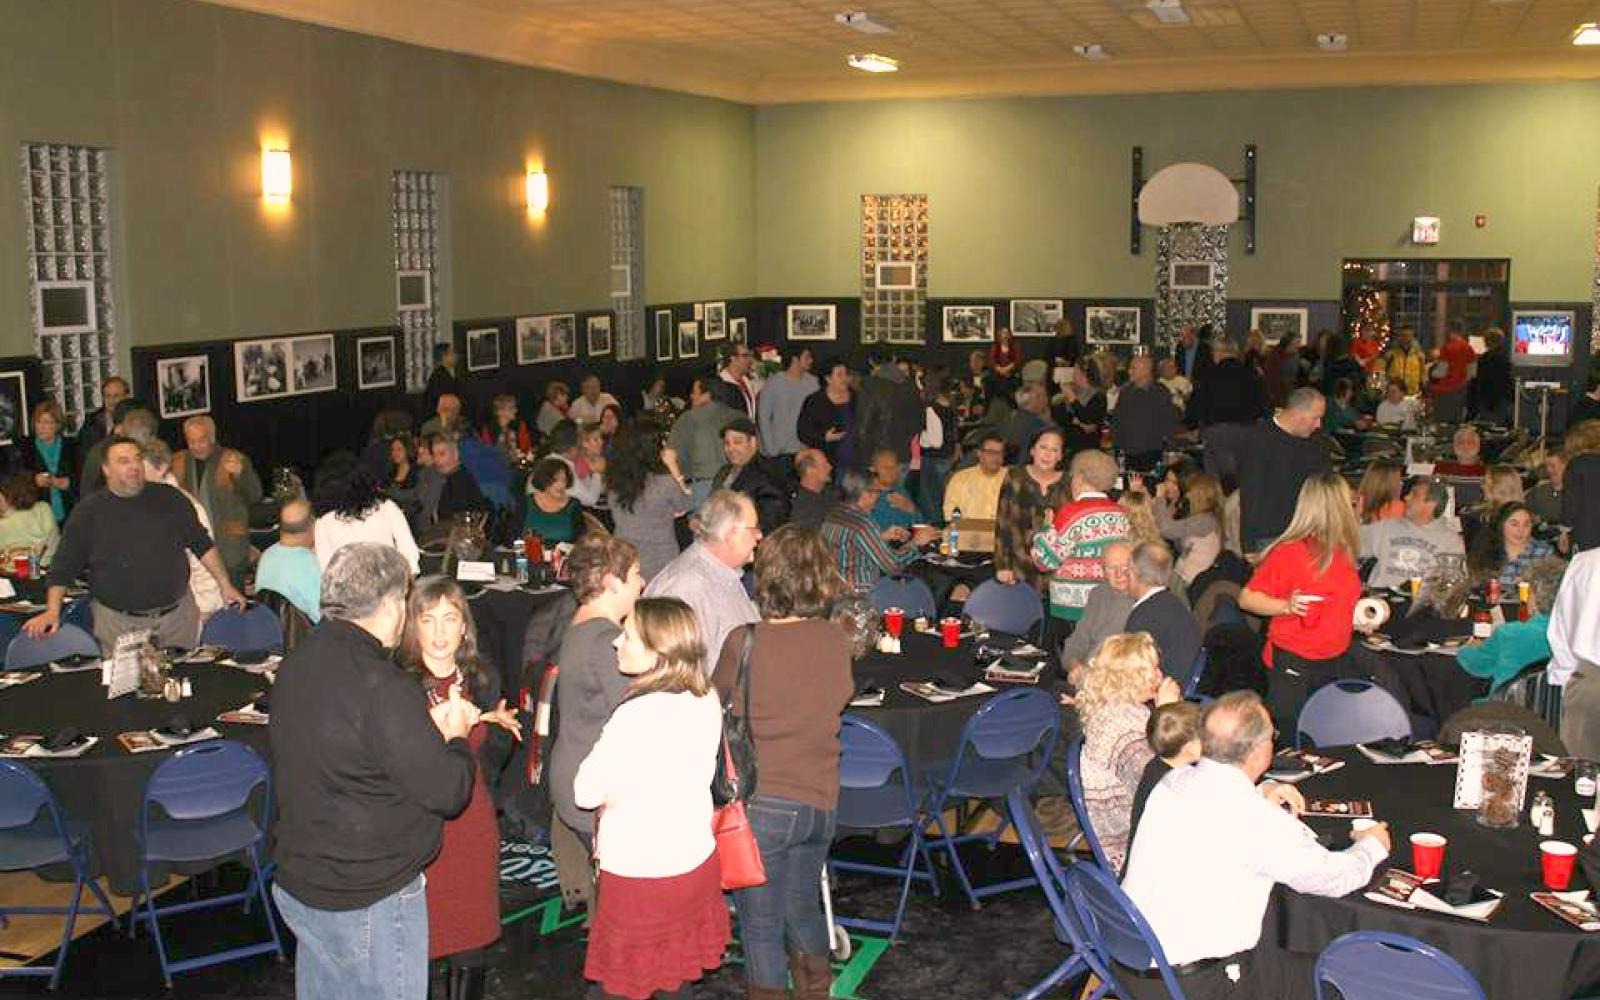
(935,473)
(785,914)
(376,953)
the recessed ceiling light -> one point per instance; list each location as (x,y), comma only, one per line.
(860,20)
(1333,41)
(1168,11)
(1587,34)
(870,62)
(1093,50)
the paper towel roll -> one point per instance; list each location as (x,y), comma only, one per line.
(1371,612)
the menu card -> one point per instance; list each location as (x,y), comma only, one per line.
(120,673)
(1407,891)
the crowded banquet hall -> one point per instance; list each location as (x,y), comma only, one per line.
(958,500)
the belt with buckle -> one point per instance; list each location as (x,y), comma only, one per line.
(152,613)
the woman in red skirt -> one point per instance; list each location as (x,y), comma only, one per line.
(660,921)
(464,879)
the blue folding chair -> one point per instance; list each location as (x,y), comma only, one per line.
(1068,927)
(252,631)
(205,796)
(1197,671)
(907,593)
(1343,713)
(1115,932)
(877,791)
(1376,965)
(1080,807)
(68,640)
(1013,608)
(34,836)
(1004,747)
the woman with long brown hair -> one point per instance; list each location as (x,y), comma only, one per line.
(440,647)
(1028,498)
(1307,583)
(1378,496)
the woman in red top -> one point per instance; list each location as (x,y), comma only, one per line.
(464,879)
(1004,356)
(1307,584)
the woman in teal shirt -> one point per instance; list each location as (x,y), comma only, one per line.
(1517,645)
(552,515)
(50,458)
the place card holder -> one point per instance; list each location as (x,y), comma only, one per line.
(121,668)
(1489,750)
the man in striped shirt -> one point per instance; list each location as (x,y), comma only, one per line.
(863,551)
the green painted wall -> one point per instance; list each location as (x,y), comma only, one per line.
(185,93)
(1030,196)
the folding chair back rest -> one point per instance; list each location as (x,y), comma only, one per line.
(1377,965)
(206,780)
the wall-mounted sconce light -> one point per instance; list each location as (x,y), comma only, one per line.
(537,186)
(277,176)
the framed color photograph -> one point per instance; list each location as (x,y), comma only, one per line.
(812,322)
(314,368)
(13,407)
(896,275)
(1190,275)
(663,334)
(1275,322)
(968,324)
(689,339)
(376,364)
(261,369)
(598,335)
(1035,317)
(716,321)
(183,386)
(563,337)
(533,339)
(483,349)
(413,290)
(1111,325)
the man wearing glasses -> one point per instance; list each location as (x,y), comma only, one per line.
(975,490)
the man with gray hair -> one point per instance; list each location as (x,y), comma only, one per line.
(225,482)
(708,575)
(1276,457)
(1158,611)
(367,771)
(1410,545)
(1210,847)
(863,551)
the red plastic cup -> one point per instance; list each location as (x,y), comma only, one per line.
(19,568)
(1313,615)
(894,619)
(950,631)
(1556,861)
(1427,854)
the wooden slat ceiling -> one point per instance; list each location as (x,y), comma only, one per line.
(772,51)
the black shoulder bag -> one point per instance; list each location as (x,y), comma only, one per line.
(740,784)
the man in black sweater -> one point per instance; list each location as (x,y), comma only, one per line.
(747,472)
(1276,457)
(888,415)
(1158,611)
(366,772)
(460,492)
(1144,418)
(1228,398)
(131,538)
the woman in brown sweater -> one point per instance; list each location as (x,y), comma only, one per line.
(799,682)
(1028,499)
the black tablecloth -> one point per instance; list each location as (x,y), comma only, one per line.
(1431,684)
(501,617)
(103,788)
(941,578)
(1523,953)
(929,732)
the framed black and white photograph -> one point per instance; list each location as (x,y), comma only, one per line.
(1111,325)
(968,324)
(739,330)
(376,364)
(663,334)
(1277,322)
(716,321)
(597,335)
(896,275)
(183,386)
(689,339)
(314,368)
(66,307)
(812,322)
(1035,317)
(533,339)
(261,370)
(13,407)
(1190,276)
(413,290)
(563,337)
(483,349)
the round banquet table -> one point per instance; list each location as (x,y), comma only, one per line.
(943,574)
(104,787)
(502,618)
(1523,952)
(929,732)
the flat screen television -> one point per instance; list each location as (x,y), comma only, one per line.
(1542,338)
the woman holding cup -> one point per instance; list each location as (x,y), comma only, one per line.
(1307,584)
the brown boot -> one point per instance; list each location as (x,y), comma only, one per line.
(754,992)
(812,976)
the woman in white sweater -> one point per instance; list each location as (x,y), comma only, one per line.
(661,921)
(352,508)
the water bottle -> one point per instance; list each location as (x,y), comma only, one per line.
(953,533)
(33,565)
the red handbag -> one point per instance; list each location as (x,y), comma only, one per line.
(737,850)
